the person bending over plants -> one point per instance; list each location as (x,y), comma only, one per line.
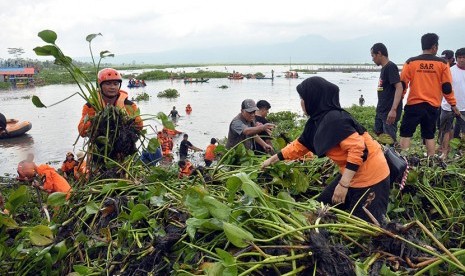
(363,178)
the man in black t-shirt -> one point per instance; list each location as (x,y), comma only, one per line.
(389,107)
(185,146)
(174,114)
(260,119)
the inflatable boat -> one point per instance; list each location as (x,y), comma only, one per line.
(16,129)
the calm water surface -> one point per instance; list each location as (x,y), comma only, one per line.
(54,129)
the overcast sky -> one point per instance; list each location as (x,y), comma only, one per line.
(145,26)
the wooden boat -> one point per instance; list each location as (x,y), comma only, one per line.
(16,129)
(195,80)
(292,75)
(236,76)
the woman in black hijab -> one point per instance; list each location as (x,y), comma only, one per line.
(331,131)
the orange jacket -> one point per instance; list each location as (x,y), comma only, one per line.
(186,170)
(68,166)
(210,152)
(81,170)
(428,78)
(166,144)
(349,153)
(53,181)
(171,132)
(122,102)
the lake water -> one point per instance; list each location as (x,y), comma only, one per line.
(54,129)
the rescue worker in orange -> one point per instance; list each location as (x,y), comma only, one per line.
(52,181)
(429,79)
(331,131)
(185,168)
(166,143)
(68,165)
(210,152)
(109,81)
(188,109)
(81,170)
(171,132)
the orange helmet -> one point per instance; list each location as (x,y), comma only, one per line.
(109,74)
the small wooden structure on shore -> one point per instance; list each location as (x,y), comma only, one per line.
(18,77)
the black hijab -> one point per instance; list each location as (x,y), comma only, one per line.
(328,124)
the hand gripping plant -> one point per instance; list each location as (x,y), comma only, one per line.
(113,133)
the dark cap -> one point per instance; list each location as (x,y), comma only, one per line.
(447,54)
(249,105)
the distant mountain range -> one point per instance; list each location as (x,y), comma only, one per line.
(307,49)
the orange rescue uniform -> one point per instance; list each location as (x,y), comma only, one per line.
(210,152)
(54,182)
(81,170)
(350,152)
(122,102)
(186,170)
(429,79)
(68,166)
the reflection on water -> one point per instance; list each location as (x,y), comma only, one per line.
(54,130)
(24,142)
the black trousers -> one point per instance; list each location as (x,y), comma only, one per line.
(377,207)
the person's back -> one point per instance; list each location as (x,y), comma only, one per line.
(53,182)
(210,152)
(429,79)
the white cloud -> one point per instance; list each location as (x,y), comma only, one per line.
(152,26)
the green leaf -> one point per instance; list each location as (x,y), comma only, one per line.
(17,198)
(215,270)
(236,235)
(139,212)
(455,143)
(153,145)
(250,188)
(41,235)
(56,199)
(228,261)
(225,256)
(47,50)
(193,201)
(285,197)
(61,250)
(48,36)
(90,37)
(217,209)
(8,222)
(209,224)
(82,270)
(92,208)
(37,102)
(233,184)
(157,201)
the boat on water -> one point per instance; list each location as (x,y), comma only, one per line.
(15,129)
(292,75)
(189,80)
(133,83)
(236,76)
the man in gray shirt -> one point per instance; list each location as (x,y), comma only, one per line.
(243,127)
